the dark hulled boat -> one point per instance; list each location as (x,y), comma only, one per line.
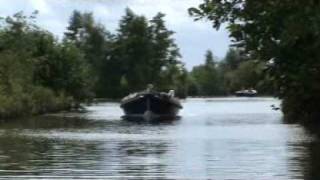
(150,105)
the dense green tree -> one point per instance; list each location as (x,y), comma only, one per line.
(169,72)
(206,76)
(165,51)
(282,33)
(38,74)
(94,41)
(209,62)
(231,74)
(75,26)
(246,76)
(233,59)
(174,77)
(238,72)
(134,41)
(144,52)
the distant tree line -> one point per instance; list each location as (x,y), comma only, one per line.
(40,73)
(223,77)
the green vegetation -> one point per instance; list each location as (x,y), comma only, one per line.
(143,52)
(285,36)
(233,73)
(206,78)
(140,52)
(40,73)
(37,73)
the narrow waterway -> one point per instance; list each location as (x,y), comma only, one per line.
(218,138)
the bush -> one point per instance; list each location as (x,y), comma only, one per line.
(40,100)
(14,105)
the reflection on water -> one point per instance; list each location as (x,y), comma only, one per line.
(219,138)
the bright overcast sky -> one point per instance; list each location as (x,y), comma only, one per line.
(193,38)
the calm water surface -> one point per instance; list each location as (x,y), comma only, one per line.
(218,138)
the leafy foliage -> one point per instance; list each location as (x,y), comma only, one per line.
(206,77)
(235,72)
(37,73)
(94,42)
(285,35)
(143,52)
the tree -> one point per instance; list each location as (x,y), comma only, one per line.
(166,58)
(134,50)
(284,34)
(174,77)
(38,74)
(165,50)
(144,52)
(94,41)
(206,76)
(209,62)
(233,59)
(75,25)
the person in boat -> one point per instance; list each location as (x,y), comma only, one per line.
(150,88)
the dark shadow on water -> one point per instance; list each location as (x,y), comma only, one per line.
(47,122)
(312,168)
(306,162)
(154,121)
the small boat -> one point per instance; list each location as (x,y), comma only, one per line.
(150,104)
(246,93)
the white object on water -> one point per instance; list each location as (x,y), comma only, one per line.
(171,93)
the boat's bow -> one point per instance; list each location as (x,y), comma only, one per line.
(150,105)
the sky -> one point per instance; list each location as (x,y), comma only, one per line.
(193,38)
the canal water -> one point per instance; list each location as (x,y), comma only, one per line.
(217,138)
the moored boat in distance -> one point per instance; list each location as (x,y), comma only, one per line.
(150,104)
(246,93)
